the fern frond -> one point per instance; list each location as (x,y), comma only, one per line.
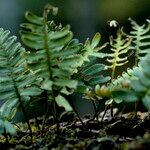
(16,82)
(140,39)
(141,85)
(127,76)
(138,87)
(119,48)
(91,72)
(54,55)
(92,48)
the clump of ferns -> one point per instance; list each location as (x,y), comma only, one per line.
(118,57)
(21,72)
(47,68)
(91,72)
(54,56)
(140,47)
(55,59)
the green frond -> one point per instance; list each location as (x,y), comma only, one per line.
(119,47)
(141,85)
(16,82)
(91,72)
(127,76)
(140,39)
(92,48)
(54,55)
(138,87)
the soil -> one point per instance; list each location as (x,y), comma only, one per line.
(121,132)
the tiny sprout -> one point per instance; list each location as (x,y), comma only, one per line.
(113,23)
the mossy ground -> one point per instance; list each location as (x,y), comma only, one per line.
(123,132)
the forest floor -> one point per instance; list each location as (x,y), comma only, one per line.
(122,132)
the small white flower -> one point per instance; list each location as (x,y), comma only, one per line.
(148,20)
(113,23)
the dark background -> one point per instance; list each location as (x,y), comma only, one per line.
(85,17)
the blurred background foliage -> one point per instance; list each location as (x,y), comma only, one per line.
(85,17)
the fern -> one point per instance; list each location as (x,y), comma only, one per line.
(139,86)
(92,48)
(118,57)
(16,82)
(54,56)
(91,72)
(140,39)
(142,84)
(119,48)
(123,83)
(125,78)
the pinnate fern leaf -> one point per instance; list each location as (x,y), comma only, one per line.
(125,78)
(140,35)
(91,72)
(16,81)
(142,84)
(139,86)
(119,48)
(54,56)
